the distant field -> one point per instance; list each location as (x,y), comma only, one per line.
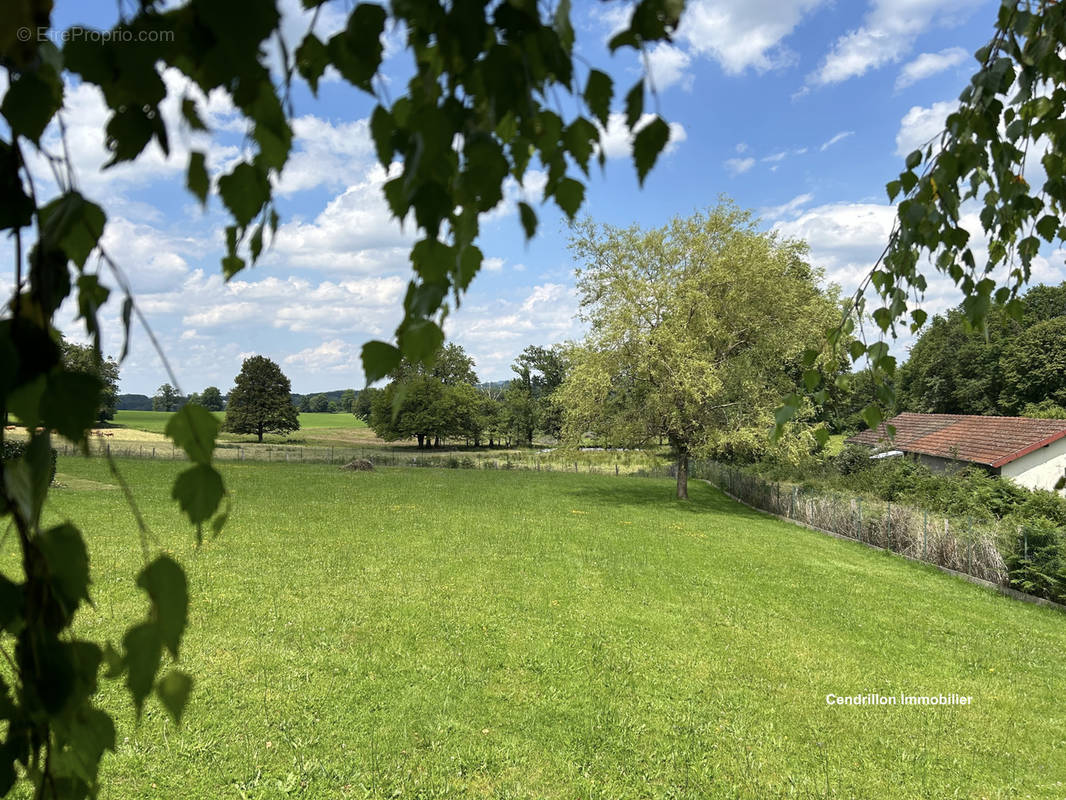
(156,421)
(482,634)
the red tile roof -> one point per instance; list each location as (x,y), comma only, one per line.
(993,441)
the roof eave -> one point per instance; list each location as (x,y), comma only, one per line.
(1031,449)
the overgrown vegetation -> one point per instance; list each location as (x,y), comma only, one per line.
(968,495)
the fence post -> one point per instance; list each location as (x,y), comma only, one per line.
(969,560)
(858,514)
(925,530)
(792,509)
(889,531)
(616,469)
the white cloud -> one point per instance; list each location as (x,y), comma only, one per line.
(886,35)
(222,314)
(743,34)
(617,141)
(837,138)
(845,238)
(742,147)
(928,64)
(610,18)
(85,116)
(669,66)
(332,356)
(493,264)
(327,155)
(775,157)
(786,209)
(495,330)
(920,125)
(152,259)
(738,166)
(356,232)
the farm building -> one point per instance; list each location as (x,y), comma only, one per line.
(1032,452)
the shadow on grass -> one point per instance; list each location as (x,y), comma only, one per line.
(703,499)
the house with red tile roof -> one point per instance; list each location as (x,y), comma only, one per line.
(1032,452)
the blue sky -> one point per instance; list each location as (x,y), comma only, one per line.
(798,109)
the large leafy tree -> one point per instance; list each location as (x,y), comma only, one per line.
(954,368)
(429,404)
(690,325)
(85,359)
(166,398)
(211,399)
(530,399)
(260,400)
(1034,366)
(347,401)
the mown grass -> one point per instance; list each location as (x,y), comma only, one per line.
(443,633)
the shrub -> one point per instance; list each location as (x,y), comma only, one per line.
(14,449)
(852,458)
(1036,563)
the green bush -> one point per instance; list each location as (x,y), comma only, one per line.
(852,458)
(14,449)
(1036,564)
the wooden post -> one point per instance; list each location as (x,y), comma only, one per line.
(889,526)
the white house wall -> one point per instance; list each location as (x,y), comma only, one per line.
(1041,469)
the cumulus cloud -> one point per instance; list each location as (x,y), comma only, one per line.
(326,154)
(845,238)
(617,141)
(919,125)
(743,34)
(495,330)
(887,35)
(85,116)
(356,232)
(331,356)
(929,64)
(669,66)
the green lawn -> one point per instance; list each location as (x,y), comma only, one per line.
(156,421)
(439,633)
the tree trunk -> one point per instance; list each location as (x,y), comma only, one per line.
(682,474)
(259,430)
(421,438)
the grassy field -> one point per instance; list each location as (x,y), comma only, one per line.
(327,437)
(451,633)
(156,421)
(317,430)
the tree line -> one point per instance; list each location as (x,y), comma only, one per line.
(445,402)
(1013,365)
